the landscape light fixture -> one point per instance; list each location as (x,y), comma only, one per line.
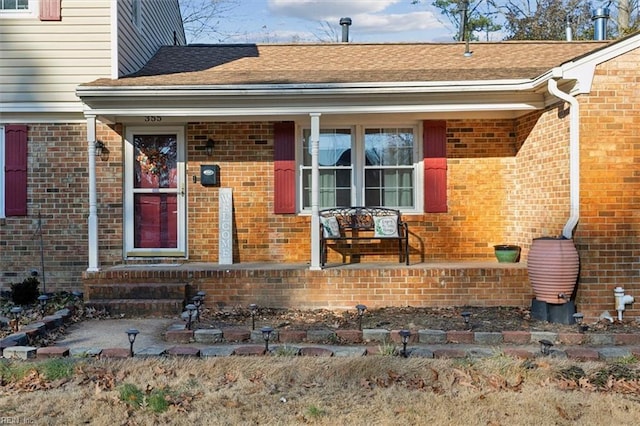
(190,308)
(579,317)
(253,308)
(197,301)
(361,309)
(545,347)
(43,299)
(78,295)
(16,311)
(404,334)
(132,333)
(466,316)
(266,335)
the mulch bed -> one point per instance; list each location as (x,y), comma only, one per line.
(483,319)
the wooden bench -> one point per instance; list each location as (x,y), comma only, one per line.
(363,223)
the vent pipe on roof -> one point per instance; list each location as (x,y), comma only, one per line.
(345,23)
(600,18)
(567,28)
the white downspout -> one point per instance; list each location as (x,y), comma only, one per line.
(574,157)
(93,197)
(315,179)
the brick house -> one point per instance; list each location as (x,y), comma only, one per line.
(475,150)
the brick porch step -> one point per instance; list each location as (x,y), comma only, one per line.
(138,307)
(115,290)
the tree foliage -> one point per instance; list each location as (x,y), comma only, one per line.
(546,19)
(539,19)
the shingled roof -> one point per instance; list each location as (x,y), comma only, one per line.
(250,64)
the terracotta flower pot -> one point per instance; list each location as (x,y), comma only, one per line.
(553,267)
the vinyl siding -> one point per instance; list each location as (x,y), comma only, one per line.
(137,44)
(44,61)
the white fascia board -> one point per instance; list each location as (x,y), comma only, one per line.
(41,107)
(324,89)
(583,69)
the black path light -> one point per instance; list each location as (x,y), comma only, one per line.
(579,317)
(466,316)
(197,301)
(16,311)
(132,333)
(361,308)
(253,308)
(266,335)
(404,334)
(43,299)
(78,295)
(545,347)
(190,308)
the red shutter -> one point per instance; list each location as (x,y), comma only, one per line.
(50,10)
(284,185)
(435,166)
(15,195)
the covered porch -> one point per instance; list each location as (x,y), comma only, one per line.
(166,286)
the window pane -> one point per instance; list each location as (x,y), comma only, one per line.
(389,147)
(334,147)
(155,161)
(388,174)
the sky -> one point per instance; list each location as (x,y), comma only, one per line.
(373,21)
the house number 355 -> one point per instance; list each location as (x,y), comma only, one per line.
(152,118)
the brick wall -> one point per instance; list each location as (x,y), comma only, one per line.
(608,236)
(57,210)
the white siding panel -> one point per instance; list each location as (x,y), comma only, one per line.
(43,62)
(137,44)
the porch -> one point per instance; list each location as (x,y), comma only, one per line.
(161,289)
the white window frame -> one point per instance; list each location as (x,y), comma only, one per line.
(32,11)
(358,161)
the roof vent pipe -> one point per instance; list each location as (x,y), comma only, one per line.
(345,23)
(567,29)
(600,18)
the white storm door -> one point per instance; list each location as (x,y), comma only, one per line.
(155,217)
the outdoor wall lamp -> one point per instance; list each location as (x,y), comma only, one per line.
(132,333)
(209,147)
(266,335)
(361,309)
(254,309)
(99,148)
(43,299)
(404,334)
(190,307)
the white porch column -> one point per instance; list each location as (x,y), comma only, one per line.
(93,198)
(315,178)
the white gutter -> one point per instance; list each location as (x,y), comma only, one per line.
(574,157)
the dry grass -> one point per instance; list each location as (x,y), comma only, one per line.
(373,390)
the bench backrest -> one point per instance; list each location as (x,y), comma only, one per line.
(358,218)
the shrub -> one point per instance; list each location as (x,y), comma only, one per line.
(26,292)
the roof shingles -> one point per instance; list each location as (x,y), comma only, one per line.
(249,64)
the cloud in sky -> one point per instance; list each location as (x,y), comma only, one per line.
(368,16)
